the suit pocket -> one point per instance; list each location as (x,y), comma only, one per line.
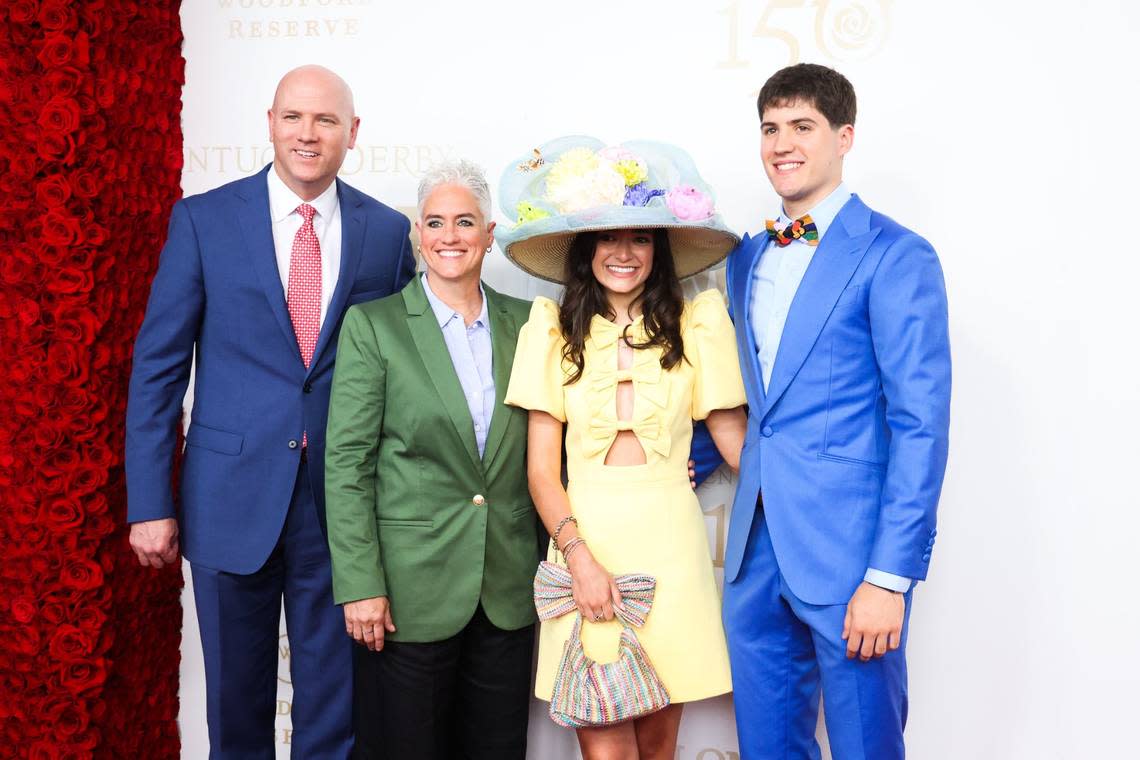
(214,439)
(851,297)
(852,461)
(385,522)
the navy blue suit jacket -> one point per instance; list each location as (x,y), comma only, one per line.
(217,299)
(849,442)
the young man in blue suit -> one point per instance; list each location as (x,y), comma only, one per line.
(251,288)
(841,324)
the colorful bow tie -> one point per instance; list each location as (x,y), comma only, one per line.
(802,229)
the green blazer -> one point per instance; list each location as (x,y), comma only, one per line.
(413,513)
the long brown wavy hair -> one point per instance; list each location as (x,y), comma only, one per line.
(661,303)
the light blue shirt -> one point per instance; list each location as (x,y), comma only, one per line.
(470,350)
(774,284)
(778,276)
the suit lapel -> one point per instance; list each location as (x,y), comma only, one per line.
(352,223)
(838,256)
(256,227)
(504,336)
(433,353)
(751,249)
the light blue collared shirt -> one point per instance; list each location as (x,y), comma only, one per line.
(774,284)
(470,349)
(777,278)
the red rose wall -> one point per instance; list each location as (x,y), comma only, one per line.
(90,160)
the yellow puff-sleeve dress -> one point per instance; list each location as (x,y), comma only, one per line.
(643,518)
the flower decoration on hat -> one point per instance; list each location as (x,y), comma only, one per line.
(688,203)
(582,184)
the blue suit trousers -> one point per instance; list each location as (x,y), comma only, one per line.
(783,651)
(239,619)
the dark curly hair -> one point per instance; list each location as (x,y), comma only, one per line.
(824,89)
(661,302)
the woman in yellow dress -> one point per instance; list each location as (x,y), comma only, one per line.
(622,367)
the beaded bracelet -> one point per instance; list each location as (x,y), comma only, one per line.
(571,545)
(561,525)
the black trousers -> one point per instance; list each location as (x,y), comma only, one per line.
(464,697)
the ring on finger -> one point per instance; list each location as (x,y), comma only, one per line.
(597,616)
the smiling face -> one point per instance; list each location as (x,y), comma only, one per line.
(803,154)
(623,260)
(454,236)
(312,127)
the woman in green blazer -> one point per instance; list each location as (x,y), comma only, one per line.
(432,530)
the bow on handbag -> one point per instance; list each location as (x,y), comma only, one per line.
(589,693)
(553,596)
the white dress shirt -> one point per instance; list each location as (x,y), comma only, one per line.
(774,284)
(283,204)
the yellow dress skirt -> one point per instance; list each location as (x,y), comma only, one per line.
(644,518)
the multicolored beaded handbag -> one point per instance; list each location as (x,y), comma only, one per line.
(589,693)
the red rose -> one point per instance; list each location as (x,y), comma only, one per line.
(78,677)
(85,480)
(63,515)
(68,280)
(58,50)
(90,619)
(85,183)
(82,574)
(63,82)
(22,11)
(60,228)
(60,115)
(56,146)
(68,643)
(22,164)
(56,15)
(53,191)
(24,639)
(23,609)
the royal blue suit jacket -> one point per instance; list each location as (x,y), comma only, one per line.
(217,299)
(848,445)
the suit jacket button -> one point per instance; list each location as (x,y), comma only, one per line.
(308,388)
(925,557)
(293,444)
(767,431)
(478,500)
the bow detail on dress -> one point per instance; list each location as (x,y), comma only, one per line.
(553,596)
(650,394)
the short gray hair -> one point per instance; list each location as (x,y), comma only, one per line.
(456,171)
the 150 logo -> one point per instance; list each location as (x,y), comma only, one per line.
(845,30)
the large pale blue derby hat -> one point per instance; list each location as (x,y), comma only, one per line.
(579,184)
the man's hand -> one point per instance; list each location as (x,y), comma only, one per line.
(367,620)
(155,541)
(874,622)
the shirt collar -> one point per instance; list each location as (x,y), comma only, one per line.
(444,313)
(283,201)
(824,212)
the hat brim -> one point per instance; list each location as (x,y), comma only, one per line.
(696,246)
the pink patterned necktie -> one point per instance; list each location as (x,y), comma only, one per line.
(304,293)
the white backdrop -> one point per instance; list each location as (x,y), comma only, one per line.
(993,128)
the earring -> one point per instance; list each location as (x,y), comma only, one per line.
(488,250)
